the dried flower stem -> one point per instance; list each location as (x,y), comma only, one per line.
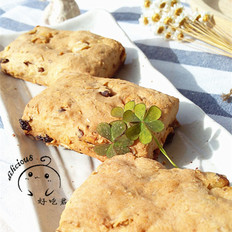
(226,97)
(213,36)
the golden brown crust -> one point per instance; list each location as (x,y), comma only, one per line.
(68,112)
(42,53)
(139,194)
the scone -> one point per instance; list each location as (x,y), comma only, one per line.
(138,194)
(68,112)
(40,54)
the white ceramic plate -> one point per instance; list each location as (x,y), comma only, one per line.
(198,143)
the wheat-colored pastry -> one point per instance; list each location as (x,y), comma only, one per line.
(139,195)
(68,112)
(42,53)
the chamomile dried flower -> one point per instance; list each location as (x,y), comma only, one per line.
(170,19)
(177,9)
(147,3)
(196,16)
(160,4)
(173,2)
(156,17)
(178,35)
(167,19)
(180,20)
(144,20)
(168,34)
(205,17)
(159,28)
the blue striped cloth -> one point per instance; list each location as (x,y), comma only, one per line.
(201,77)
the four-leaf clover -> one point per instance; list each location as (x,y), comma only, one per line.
(136,123)
(118,141)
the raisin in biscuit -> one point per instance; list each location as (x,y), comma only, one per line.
(68,112)
(40,54)
(138,194)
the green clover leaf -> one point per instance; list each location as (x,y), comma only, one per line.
(130,116)
(117,112)
(133,132)
(117,129)
(140,110)
(104,130)
(143,123)
(129,105)
(154,113)
(114,132)
(145,135)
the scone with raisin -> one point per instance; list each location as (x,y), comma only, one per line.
(42,53)
(68,112)
(127,193)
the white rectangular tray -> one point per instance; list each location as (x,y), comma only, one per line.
(199,143)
